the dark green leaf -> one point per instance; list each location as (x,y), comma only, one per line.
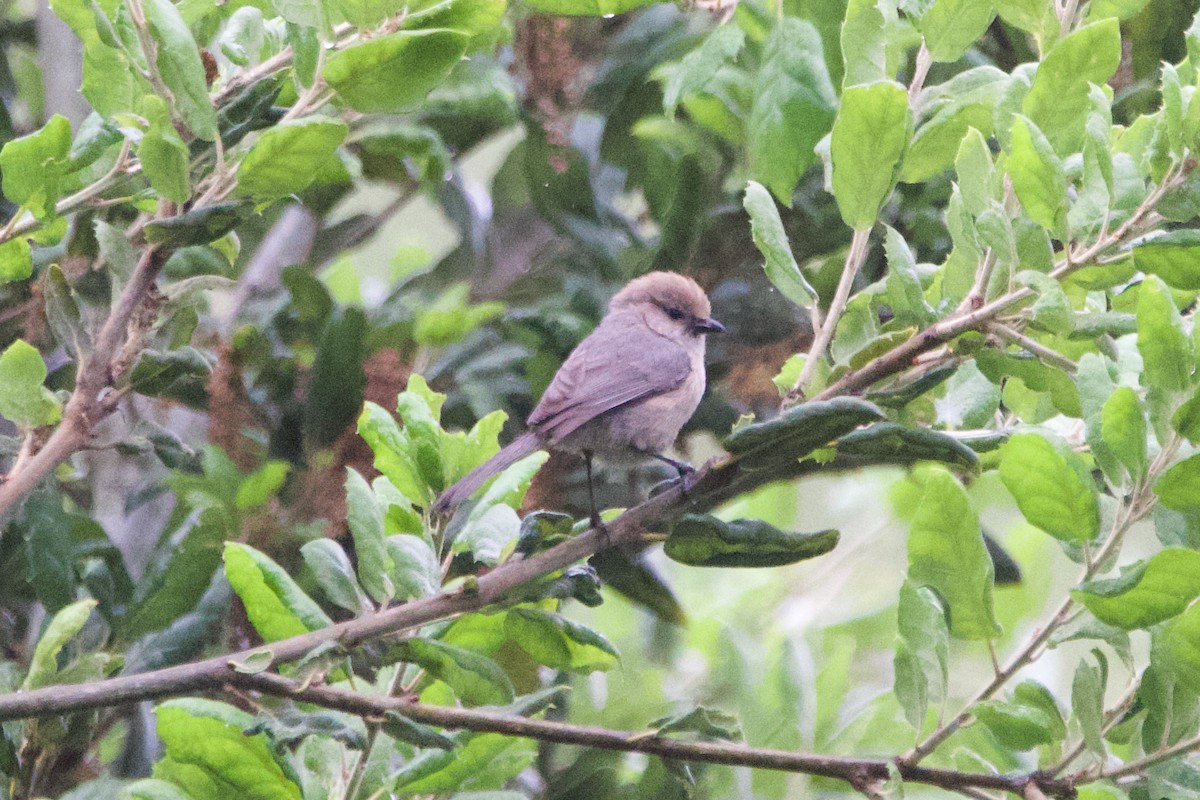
(702,540)
(334,574)
(335,394)
(404,729)
(801,429)
(198,226)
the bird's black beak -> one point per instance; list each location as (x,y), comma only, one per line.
(707,326)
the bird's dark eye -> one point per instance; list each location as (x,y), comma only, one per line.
(674,313)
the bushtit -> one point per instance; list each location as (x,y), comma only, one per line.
(625,391)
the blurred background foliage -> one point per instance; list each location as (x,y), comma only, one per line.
(475,241)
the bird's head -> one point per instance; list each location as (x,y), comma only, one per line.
(669,301)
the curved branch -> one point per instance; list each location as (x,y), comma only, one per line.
(855,771)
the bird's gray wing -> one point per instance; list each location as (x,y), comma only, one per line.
(609,369)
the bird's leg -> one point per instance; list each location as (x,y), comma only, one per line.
(682,467)
(595,514)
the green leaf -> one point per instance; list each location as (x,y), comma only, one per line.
(1087,705)
(1037,176)
(179,374)
(702,540)
(970,401)
(509,486)
(277,607)
(709,723)
(16,261)
(62,629)
(364,517)
(334,574)
(793,107)
(696,70)
(950,27)
(871,133)
(923,652)
(490,535)
(1187,419)
(393,456)
(62,313)
(1028,720)
(1179,488)
(49,549)
(476,679)
(178,62)
(558,642)
(261,485)
(415,568)
(1174,257)
(164,158)
(335,391)
(206,745)
(287,157)
(1123,428)
(771,240)
(973,165)
(892,443)
(34,165)
(195,227)
(864,42)
(1048,491)
(905,294)
(23,400)
(802,429)
(946,553)
(1180,640)
(176,587)
(1166,350)
(481,761)
(1058,102)
(1145,594)
(390,73)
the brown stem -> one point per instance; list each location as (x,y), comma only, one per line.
(857,772)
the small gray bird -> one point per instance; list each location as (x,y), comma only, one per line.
(625,391)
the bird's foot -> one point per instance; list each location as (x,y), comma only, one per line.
(600,525)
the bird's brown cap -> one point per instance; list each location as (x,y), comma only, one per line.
(666,289)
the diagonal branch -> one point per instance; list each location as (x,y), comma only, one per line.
(857,772)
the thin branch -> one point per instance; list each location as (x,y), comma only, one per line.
(857,772)
(921,67)
(855,257)
(1036,348)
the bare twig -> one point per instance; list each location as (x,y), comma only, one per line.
(855,257)
(1036,348)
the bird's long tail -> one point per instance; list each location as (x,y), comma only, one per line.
(525,444)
